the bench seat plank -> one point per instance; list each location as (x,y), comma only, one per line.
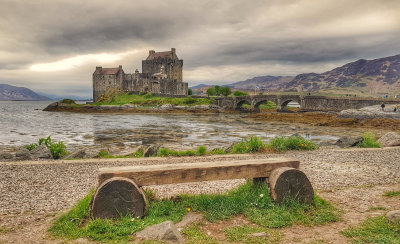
(195,172)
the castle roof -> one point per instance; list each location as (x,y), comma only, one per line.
(167,54)
(107,71)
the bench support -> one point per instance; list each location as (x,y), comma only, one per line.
(118,197)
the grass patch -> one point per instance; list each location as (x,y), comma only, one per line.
(194,235)
(248,199)
(374,230)
(392,194)
(242,234)
(369,141)
(249,145)
(57,149)
(376,208)
(148,100)
(200,151)
(282,143)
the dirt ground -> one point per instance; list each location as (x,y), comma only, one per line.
(354,201)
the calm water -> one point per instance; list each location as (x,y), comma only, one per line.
(23,123)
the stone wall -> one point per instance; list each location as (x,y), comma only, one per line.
(173,67)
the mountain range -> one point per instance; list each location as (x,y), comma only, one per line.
(369,77)
(14,93)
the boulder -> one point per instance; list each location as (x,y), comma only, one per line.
(151,150)
(189,219)
(390,139)
(77,154)
(166,106)
(23,154)
(41,151)
(129,106)
(5,156)
(165,231)
(393,216)
(347,141)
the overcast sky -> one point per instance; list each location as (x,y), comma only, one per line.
(53,46)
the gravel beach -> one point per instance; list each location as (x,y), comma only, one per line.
(48,186)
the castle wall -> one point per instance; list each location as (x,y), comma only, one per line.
(173,67)
(101,83)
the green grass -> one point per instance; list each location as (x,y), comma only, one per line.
(392,194)
(194,235)
(57,149)
(242,234)
(369,141)
(200,151)
(282,143)
(375,208)
(148,100)
(248,145)
(374,230)
(246,199)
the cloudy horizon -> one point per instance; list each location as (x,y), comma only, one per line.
(53,46)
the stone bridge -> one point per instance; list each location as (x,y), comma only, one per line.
(307,103)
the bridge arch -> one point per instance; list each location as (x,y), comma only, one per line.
(240,103)
(257,103)
(284,104)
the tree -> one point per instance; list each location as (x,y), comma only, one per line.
(190,92)
(218,90)
(239,93)
(226,91)
(211,92)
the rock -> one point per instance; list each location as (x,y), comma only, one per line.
(188,219)
(151,150)
(5,156)
(166,106)
(41,151)
(393,216)
(78,154)
(290,182)
(180,107)
(23,154)
(129,106)
(347,141)
(390,139)
(165,231)
(118,196)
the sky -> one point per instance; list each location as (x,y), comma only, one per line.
(53,46)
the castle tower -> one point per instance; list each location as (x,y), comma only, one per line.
(172,64)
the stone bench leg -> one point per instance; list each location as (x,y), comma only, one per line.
(290,182)
(118,197)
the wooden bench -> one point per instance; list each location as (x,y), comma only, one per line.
(120,192)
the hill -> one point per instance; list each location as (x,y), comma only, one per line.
(369,77)
(11,93)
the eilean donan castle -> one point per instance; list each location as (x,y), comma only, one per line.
(161,74)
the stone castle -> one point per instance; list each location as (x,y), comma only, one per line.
(161,74)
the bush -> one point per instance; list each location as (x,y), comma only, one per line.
(218,151)
(57,149)
(249,145)
(282,143)
(190,92)
(148,95)
(67,101)
(369,141)
(201,150)
(239,93)
(189,100)
(211,92)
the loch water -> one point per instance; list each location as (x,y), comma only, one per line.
(24,122)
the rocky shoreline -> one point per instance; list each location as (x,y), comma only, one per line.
(371,112)
(131,108)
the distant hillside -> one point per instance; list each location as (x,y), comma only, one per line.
(10,93)
(372,77)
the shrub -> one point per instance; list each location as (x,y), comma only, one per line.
(248,145)
(282,143)
(218,151)
(239,93)
(57,149)
(103,154)
(189,100)
(201,150)
(211,92)
(67,101)
(369,141)
(190,92)
(148,95)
